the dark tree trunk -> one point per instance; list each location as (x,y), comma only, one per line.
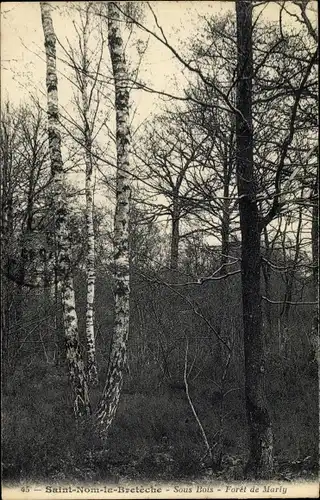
(267,279)
(228,168)
(6,292)
(175,236)
(225,222)
(315,230)
(315,261)
(290,275)
(260,463)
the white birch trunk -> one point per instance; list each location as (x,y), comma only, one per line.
(70,320)
(91,276)
(117,361)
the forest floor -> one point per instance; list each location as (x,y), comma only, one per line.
(162,468)
(161,465)
(154,437)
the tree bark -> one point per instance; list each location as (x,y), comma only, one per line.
(118,353)
(90,264)
(267,279)
(225,221)
(290,274)
(315,260)
(260,463)
(70,320)
(175,236)
(6,292)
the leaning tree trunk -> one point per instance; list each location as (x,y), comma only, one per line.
(70,320)
(91,276)
(260,462)
(117,361)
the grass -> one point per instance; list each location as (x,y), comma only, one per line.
(154,434)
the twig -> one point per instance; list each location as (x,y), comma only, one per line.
(185,378)
(194,306)
(280,302)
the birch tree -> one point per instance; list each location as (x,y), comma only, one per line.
(70,320)
(86,96)
(85,58)
(86,88)
(117,359)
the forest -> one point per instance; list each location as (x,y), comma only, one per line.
(159,241)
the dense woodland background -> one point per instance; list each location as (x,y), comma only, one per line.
(184,381)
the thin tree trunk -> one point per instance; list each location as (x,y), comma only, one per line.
(175,237)
(267,278)
(186,387)
(70,320)
(225,222)
(26,246)
(290,275)
(315,260)
(91,275)
(260,464)
(228,167)
(8,335)
(6,234)
(118,353)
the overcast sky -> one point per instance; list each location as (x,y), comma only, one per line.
(23,66)
(23,59)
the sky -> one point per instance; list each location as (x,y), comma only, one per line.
(22,56)
(23,59)
(22,42)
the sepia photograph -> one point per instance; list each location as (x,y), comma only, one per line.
(159,249)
